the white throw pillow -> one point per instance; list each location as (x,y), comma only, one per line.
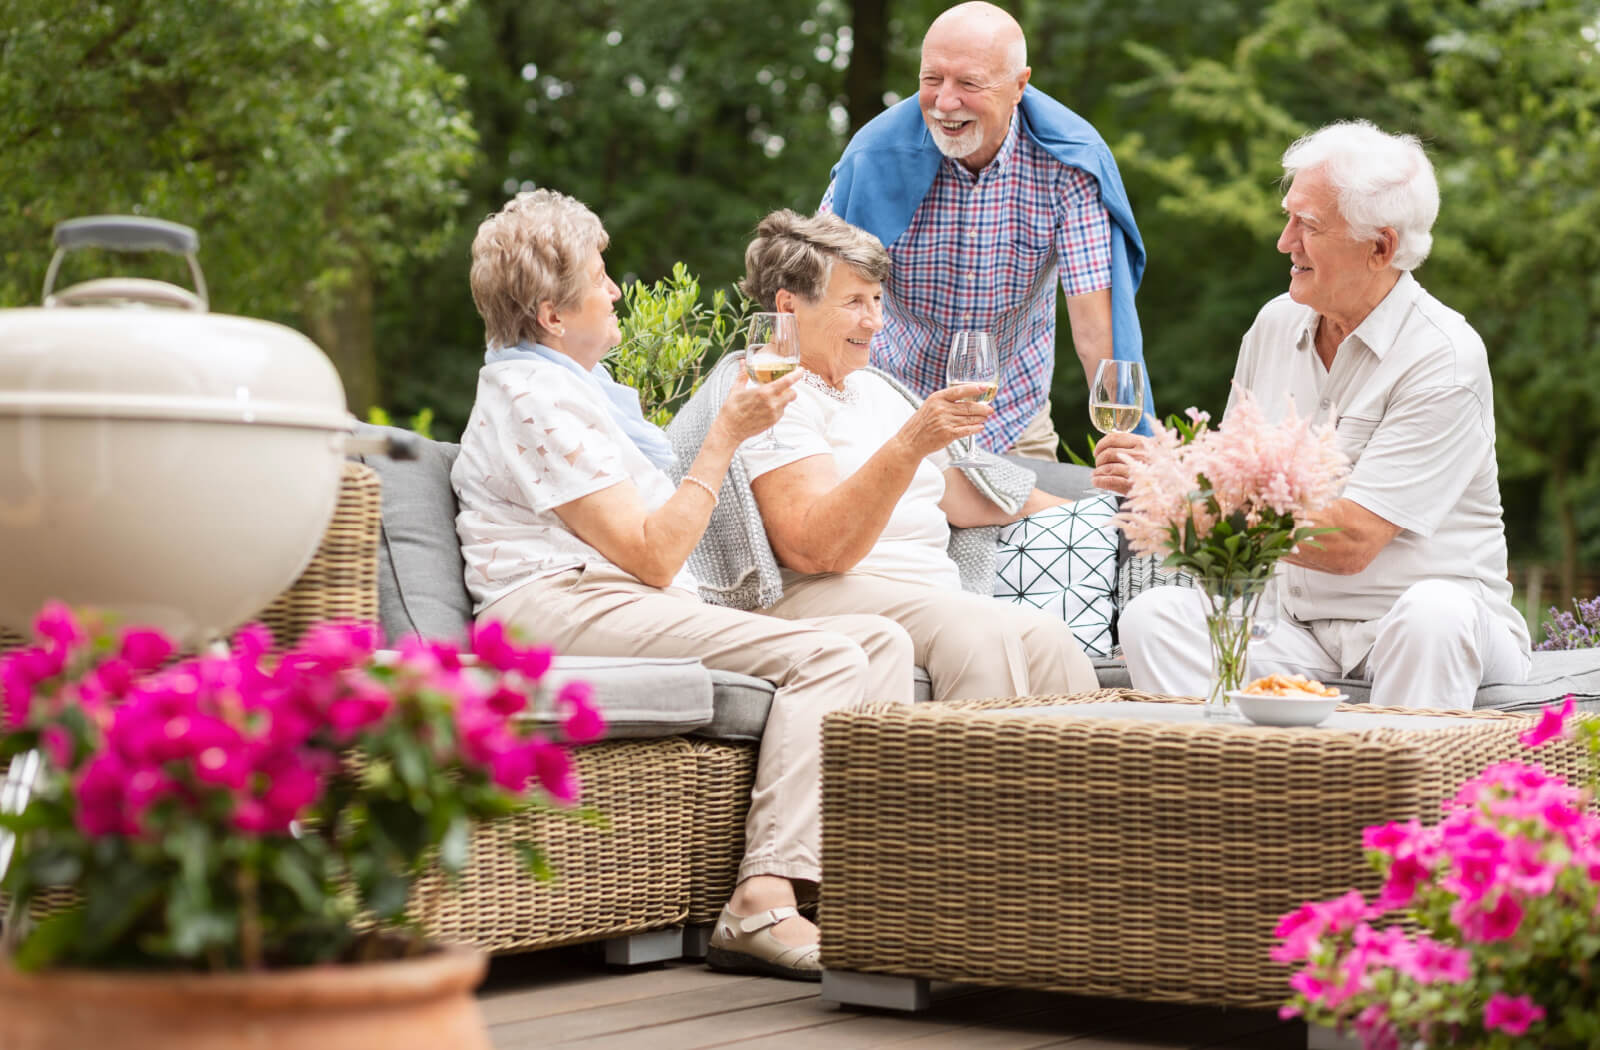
(1064,560)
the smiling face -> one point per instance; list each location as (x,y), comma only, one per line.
(1337,276)
(836,331)
(967,93)
(587,329)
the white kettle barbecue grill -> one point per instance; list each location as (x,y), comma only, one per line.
(174,466)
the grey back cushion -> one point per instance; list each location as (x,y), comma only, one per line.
(1067,480)
(422,588)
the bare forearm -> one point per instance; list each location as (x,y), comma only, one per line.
(1090,318)
(842,526)
(1360,535)
(672,531)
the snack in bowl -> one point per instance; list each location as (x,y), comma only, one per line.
(1286,700)
(1289,686)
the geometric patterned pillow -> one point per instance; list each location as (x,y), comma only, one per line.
(1064,560)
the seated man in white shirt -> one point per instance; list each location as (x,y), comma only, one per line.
(1411,591)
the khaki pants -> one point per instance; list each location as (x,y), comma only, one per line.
(971,645)
(819,665)
(1038,439)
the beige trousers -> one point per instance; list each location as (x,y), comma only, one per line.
(971,645)
(818,665)
(1039,439)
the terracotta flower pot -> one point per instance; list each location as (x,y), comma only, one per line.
(423,1003)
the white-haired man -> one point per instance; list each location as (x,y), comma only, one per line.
(982,188)
(1411,591)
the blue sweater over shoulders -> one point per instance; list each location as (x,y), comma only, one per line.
(889,166)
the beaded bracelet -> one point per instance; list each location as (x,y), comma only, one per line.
(691,479)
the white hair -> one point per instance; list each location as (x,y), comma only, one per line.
(1379,180)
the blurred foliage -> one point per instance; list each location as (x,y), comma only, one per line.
(303,139)
(670,338)
(325,150)
(421,421)
(1504,94)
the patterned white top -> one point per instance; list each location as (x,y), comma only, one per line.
(914,544)
(538,438)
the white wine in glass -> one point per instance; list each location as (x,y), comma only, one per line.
(972,361)
(771,351)
(1116,398)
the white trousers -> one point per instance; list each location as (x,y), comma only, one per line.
(1435,647)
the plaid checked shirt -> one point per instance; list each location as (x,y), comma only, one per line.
(982,252)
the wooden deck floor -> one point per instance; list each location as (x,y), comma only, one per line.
(562,999)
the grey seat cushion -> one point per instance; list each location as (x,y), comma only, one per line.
(639,697)
(422,590)
(740,705)
(1551,677)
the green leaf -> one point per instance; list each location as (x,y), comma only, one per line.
(455,847)
(48,941)
(533,858)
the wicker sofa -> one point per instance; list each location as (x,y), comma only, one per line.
(681,755)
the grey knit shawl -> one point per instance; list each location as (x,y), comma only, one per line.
(734,562)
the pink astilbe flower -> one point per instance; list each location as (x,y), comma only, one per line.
(1272,476)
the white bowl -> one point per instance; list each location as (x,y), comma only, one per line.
(1303,710)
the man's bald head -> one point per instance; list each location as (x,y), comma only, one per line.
(974,70)
(982,28)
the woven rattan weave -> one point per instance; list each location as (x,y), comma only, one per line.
(724,775)
(630,875)
(976,842)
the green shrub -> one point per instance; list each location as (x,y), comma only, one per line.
(670,337)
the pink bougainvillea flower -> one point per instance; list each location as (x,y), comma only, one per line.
(144,649)
(536,661)
(59,628)
(583,722)
(506,701)
(553,768)
(1513,1015)
(1552,723)
(493,648)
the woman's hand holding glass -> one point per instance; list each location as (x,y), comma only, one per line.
(944,418)
(772,352)
(752,408)
(972,362)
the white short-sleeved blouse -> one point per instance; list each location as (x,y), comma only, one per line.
(914,545)
(538,437)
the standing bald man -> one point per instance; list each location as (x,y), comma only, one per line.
(983,189)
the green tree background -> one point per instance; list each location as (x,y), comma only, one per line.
(336,156)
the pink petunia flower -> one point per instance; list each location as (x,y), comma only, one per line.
(1552,724)
(1513,1015)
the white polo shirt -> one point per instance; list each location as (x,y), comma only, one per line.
(1414,405)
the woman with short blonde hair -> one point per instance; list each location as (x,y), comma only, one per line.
(573,532)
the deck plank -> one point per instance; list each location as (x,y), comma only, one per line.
(565,999)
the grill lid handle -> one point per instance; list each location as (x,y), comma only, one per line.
(124,233)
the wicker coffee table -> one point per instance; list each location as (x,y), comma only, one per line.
(1112,843)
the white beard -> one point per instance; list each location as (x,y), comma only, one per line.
(963,145)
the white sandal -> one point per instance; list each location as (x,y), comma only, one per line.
(746,944)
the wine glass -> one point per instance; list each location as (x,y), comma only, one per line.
(1116,398)
(771,351)
(972,360)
